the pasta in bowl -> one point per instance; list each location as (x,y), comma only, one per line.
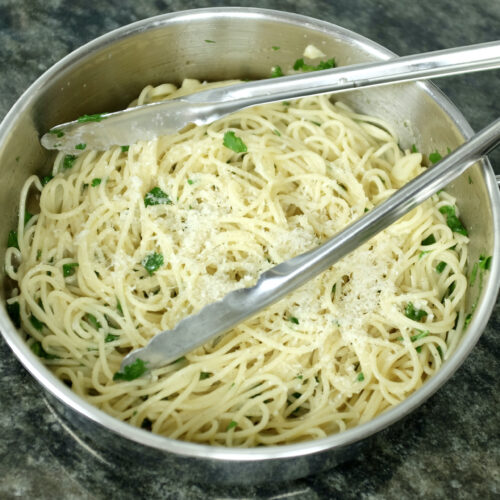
(130,241)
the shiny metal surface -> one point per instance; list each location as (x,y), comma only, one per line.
(219,317)
(151,120)
(109,72)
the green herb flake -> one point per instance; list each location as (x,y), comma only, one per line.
(180,360)
(420,335)
(276,71)
(119,307)
(275,47)
(452,221)
(56,132)
(484,262)
(233,142)
(231,425)
(37,324)
(430,240)
(95,182)
(209,41)
(110,337)
(414,314)
(316,123)
(293,320)
(68,161)
(286,103)
(46,179)
(302,66)
(69,269)
(418,348)
(90,118)
(205,375)
(157,197)
(124,148)
(190,182)
(152,262)
(14,312)
(81,146)
(360,377)
(300,377)
(440,351)
(27,217)
(92,320)
(12,240)
(414,148)
(132,371)
(37,348)
(440,267)
(470,180)
(277,132)
(435,157)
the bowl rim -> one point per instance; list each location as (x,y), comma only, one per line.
(203,451)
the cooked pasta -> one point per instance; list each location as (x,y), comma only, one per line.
(129,241)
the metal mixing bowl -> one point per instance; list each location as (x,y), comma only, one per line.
(108,73)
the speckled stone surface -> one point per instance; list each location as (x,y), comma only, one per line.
(448,448)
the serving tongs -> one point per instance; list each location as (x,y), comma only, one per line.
(217,318)
(101,131)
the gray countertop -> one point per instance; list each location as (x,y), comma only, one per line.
(448,448)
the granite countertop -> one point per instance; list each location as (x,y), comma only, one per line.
(448,448)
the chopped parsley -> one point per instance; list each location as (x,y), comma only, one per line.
(37,324)
(68,161)
(275,47)
(81,146)
(233,142)
(276,71)
(430,240)
(12,240)
(152,262)
(91,118)
(124,148)
(435,157)
(69,269)
(360,377)
(277,132)
(27,217)
(46,179)
(56,132)
(92,320)
(209,41)
(95,182)
(205,375)
(302,66)
(37,348)
(190,182)
(179,360)
(119,307)
(294,320)
(14,312)
(440,267)
(231,425)
(470,180)
(414,314)
(157,197)
(132,371)
(420,335)
(111,337)
(452,220)
(414,148)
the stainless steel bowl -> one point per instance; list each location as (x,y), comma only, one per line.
(108,73)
